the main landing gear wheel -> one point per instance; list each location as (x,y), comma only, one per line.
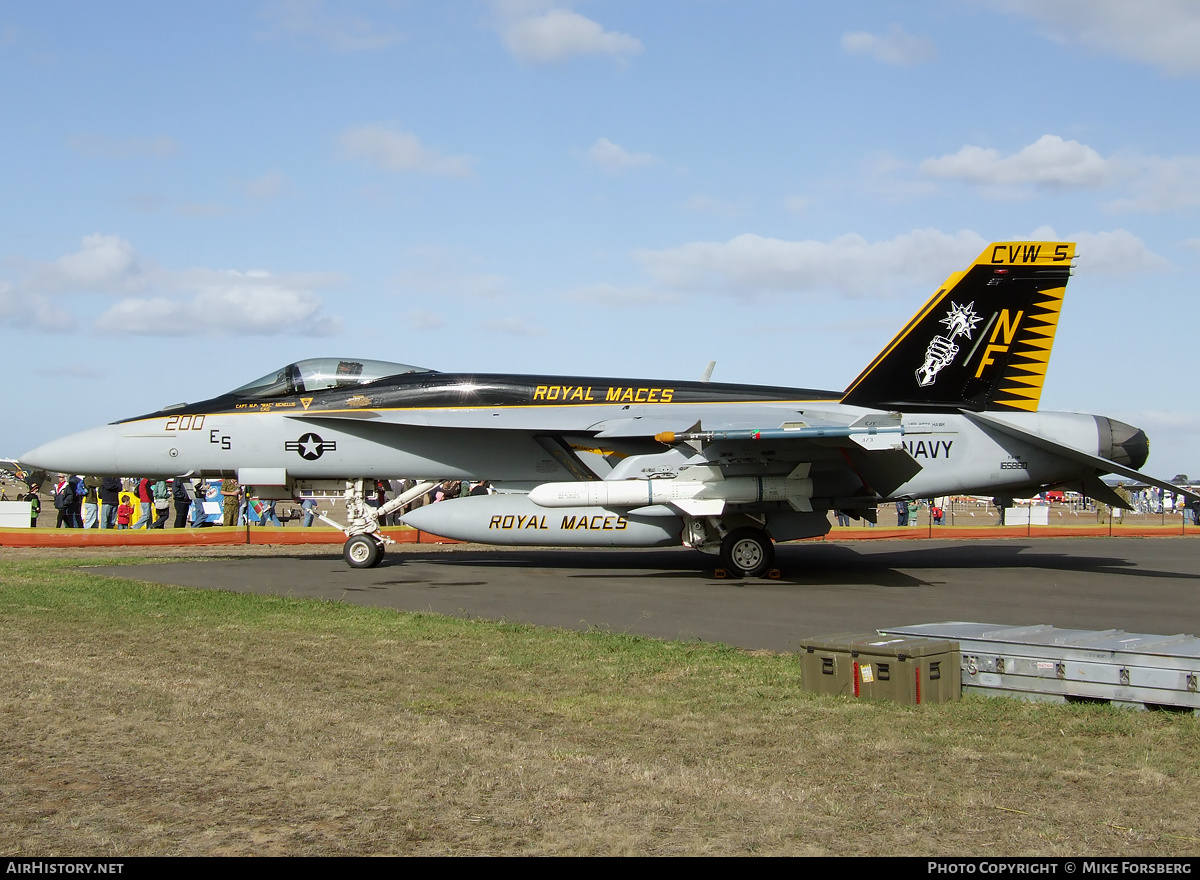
(362,551)
(747,552)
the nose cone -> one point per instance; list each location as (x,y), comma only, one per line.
(1123,443)
(88,452)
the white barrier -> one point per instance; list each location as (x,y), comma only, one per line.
(1038,515)
(15,514)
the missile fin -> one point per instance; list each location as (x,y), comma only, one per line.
(701,507)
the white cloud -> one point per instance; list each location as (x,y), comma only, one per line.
(797,204)
(227,303)
(1048,161)
(1154,183)
(750,265)
(394,150)
(1162,184)
(559,34)
(165,302)
(1162,33)
(442,284)
(1116,253)
(22,309)
(104,263)
(896,47)
(308,21)
(615,159)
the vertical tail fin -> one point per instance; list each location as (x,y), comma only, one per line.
(982,342)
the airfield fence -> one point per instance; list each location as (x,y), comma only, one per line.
(965,517)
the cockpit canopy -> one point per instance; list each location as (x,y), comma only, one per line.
(317,374)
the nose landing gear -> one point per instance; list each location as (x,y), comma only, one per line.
(365,545)
(363,551)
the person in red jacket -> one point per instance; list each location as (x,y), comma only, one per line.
(124,512)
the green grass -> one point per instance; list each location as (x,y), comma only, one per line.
(149,720)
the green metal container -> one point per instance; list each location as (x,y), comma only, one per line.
(899,669)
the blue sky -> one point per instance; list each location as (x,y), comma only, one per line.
(194,195)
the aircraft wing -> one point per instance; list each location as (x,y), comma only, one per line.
(765,420)
(764,423)
(549,420)
(1102,465)
(868,446)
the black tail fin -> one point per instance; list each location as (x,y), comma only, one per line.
(982,342)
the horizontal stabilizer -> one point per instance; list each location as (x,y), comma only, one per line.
(1096,489)
(1102,465)
(883,471)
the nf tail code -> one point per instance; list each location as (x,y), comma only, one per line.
(982,342)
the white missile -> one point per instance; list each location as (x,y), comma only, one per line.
(514,519)
(871,431)
(706,496)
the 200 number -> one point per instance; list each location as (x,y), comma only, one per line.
(184,423)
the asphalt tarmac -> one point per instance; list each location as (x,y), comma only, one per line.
(1137,585)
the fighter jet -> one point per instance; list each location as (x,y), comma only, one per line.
(948,407)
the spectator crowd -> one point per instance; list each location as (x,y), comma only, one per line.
(93,502)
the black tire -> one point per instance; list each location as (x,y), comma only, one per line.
(747,553)
(362,551)
(382,551)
